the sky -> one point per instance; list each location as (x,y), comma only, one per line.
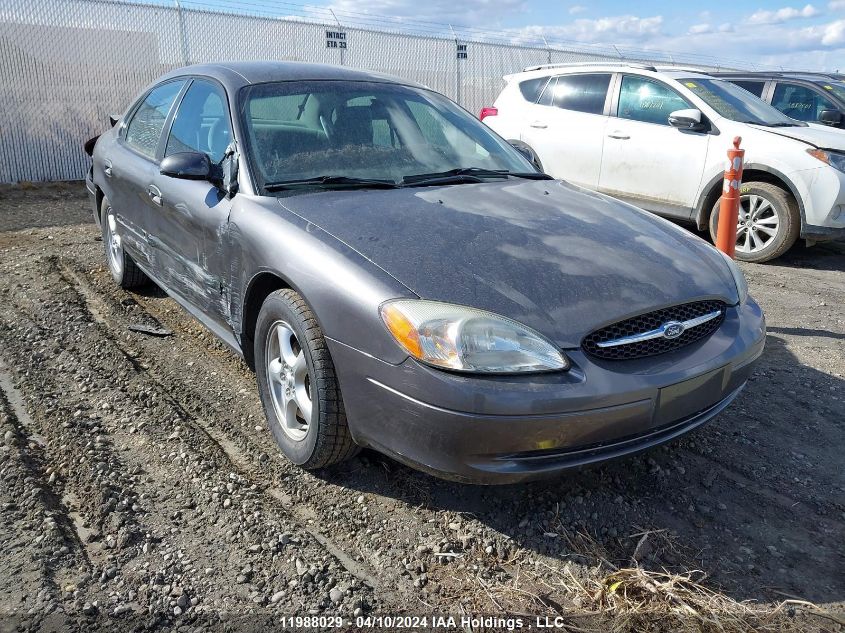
(800,36)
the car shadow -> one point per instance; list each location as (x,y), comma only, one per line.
(821,256)
(754,499)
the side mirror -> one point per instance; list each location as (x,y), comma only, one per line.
(187,166)
(528,153)
(524,151)
(689,119)
(830,117)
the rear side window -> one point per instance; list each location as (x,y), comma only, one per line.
(580,93)
(144,129)
(799,102)
(201,123)
(754,87)
(648,101)
(531,88)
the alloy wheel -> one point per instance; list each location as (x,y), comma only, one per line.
(757,224)
(289,381)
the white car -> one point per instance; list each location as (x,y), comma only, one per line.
(657,138)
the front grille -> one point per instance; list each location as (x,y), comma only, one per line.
(651,321)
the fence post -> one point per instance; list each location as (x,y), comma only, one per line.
(183,39)
(457,67)
(340,28)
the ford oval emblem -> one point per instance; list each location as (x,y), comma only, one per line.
(673,329)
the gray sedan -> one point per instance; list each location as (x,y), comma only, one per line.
(401,278)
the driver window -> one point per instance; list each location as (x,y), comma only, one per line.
(800,102)
(644,100)
(201,123)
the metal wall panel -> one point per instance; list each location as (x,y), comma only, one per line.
(67,64)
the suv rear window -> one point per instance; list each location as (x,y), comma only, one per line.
(531,88)
(581,93)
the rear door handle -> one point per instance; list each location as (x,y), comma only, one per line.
(539,125)
(107,168)
(620,135)
(155,194)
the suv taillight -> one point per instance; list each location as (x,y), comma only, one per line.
(485,112)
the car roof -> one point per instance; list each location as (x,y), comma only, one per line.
(796,75)
(547,70)
(237,74)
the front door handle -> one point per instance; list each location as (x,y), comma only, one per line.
(155,194)
(107,168)
(539,125)
(620,135)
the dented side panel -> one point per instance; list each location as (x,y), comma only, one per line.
(343,288)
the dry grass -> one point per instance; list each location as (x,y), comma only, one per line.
(601,598)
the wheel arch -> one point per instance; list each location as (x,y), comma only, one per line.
(259,288)
(751,172)
(98,204)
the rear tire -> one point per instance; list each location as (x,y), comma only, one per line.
(121,266)
(298,385)
(769,222)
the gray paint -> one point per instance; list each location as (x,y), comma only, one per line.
(565,261)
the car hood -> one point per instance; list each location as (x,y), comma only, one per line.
(826,138)
(550,255)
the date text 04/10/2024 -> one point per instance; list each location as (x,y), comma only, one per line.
(434,622)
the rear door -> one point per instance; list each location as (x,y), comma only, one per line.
(566,126)
(646,161)
(191,214)
(133,165)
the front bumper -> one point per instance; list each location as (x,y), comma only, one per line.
(823,233)
(824,203)
(514,428)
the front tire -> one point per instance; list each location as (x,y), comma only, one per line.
(768,225)
(121,266)
(298,385)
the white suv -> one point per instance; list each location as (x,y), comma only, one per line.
(657,138)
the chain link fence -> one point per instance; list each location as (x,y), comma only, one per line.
(67,64)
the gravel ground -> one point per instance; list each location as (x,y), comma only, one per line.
(141,488)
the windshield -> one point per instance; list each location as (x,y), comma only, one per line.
(735,103)
(336,132)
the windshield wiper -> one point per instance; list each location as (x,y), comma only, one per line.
(764,124)
(337,181)
(470,174)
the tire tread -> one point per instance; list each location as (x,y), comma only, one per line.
(334,441)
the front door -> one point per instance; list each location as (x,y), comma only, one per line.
(565,128)
(192,214)
(646,161)
(801,102)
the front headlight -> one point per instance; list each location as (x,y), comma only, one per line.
(739,278)
(834,159)
(466,339)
